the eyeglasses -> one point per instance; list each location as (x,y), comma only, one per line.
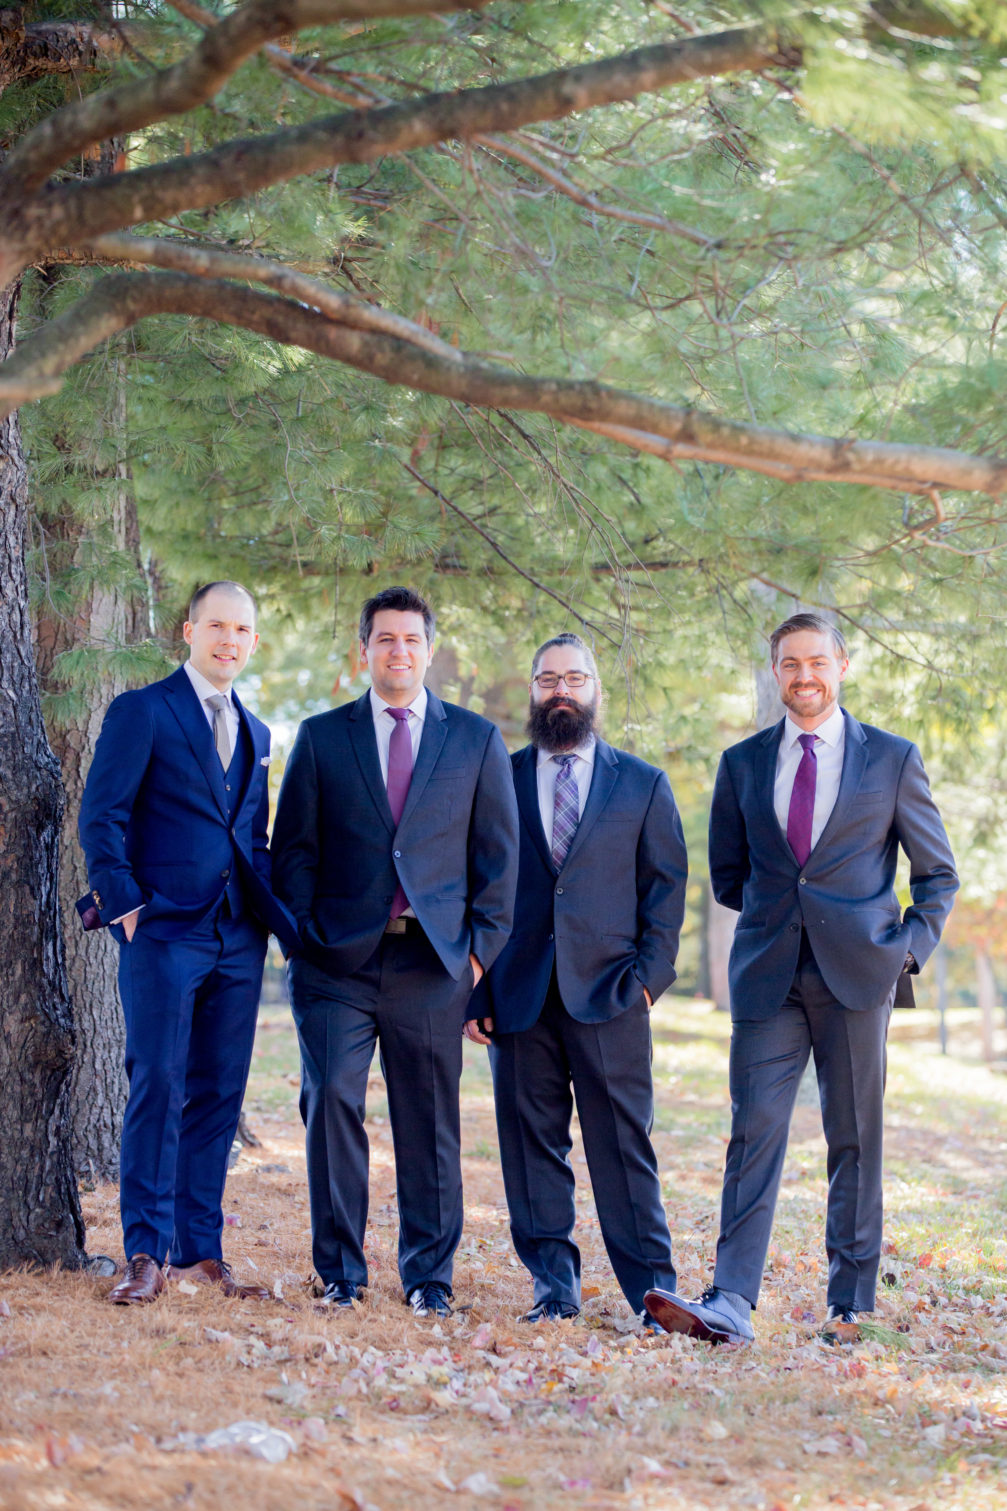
(547,681)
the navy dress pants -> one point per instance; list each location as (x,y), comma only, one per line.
(537,1073)
(190,1006)
(403,1001)
(768,1058)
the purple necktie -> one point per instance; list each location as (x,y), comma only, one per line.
(566,812)
(802,801)
(400,774)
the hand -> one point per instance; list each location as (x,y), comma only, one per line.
(648,998)
(129,924)
(477,971)
(474,1032)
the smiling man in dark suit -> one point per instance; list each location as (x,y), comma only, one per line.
(805,830)
(600,901)
(173,827)
(396,848)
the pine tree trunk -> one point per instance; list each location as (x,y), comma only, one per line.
(109,616)
(40,1218)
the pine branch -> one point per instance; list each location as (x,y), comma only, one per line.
(67,214)
(118,302)
(188,83)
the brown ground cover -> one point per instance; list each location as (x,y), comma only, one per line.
(106,1407)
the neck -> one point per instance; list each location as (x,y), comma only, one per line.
(813,721)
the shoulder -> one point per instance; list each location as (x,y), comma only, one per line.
(746,751)
(629,767)
(333,721)
(462,722)
(879,742)
(141,702)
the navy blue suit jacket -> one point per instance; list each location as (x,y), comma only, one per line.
(338,855)
(154,821)
(610,919)
(845,895)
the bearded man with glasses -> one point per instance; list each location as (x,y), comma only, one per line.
(566,1007)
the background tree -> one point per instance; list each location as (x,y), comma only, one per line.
(740,256)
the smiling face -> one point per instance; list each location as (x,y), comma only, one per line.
(809,670)
(222,636)
(397,655)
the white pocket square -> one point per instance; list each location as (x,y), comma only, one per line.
(264,760)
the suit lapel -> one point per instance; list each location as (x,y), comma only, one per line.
(603,779)
(365,748)
(854,762)
(246,733)
(526,787)
(435,730)
(183,700)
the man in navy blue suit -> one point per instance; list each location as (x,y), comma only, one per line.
(395,847)
(805,829)
(566,1008)
(173,826)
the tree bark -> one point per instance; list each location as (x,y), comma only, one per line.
(109,616)
(40,1218)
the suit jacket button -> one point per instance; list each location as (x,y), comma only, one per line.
(803,880)
(552,936)
(559,891)
(225,874)
(794,927)
(397,854)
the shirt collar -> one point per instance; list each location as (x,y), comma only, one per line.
(204,688)
(418,707)
(583,752)
(831,731)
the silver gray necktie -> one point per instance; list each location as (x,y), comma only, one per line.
(221,733)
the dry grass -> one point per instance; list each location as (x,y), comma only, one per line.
(389,1412)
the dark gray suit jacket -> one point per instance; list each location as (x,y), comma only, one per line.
(845,895)
(338,855)
(610,919)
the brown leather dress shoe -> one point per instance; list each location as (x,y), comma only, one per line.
(143,1281)
(217,1272)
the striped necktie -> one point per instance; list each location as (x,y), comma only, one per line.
(566,810)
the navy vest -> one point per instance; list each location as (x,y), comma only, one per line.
(235,780)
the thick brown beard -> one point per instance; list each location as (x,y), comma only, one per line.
(563,730)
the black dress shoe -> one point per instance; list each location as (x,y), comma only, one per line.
(551,1311)
(431,1300)
(841,1325)
(711,1318)
(341,1293)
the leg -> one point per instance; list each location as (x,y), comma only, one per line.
(220,1052)
(420,1014)
(850,1059)
(158,982)
(534,1105)
(767,1061)
(610,1064)
(337,1038)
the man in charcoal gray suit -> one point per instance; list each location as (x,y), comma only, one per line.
(566,1008)
(805,829)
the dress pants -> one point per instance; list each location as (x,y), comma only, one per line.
(190,1006)
(767,1062)
(606,1066)
(403,1000)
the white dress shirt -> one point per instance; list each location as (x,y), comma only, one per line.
(830,742)
(384,723)
(548,771)
(205,689)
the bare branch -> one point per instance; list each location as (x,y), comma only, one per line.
(69,213)
(191,82)
(118,302)
(206,262)
(584,197)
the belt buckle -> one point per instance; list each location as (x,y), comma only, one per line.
(396,926)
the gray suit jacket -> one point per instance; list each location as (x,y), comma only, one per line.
(845,895)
